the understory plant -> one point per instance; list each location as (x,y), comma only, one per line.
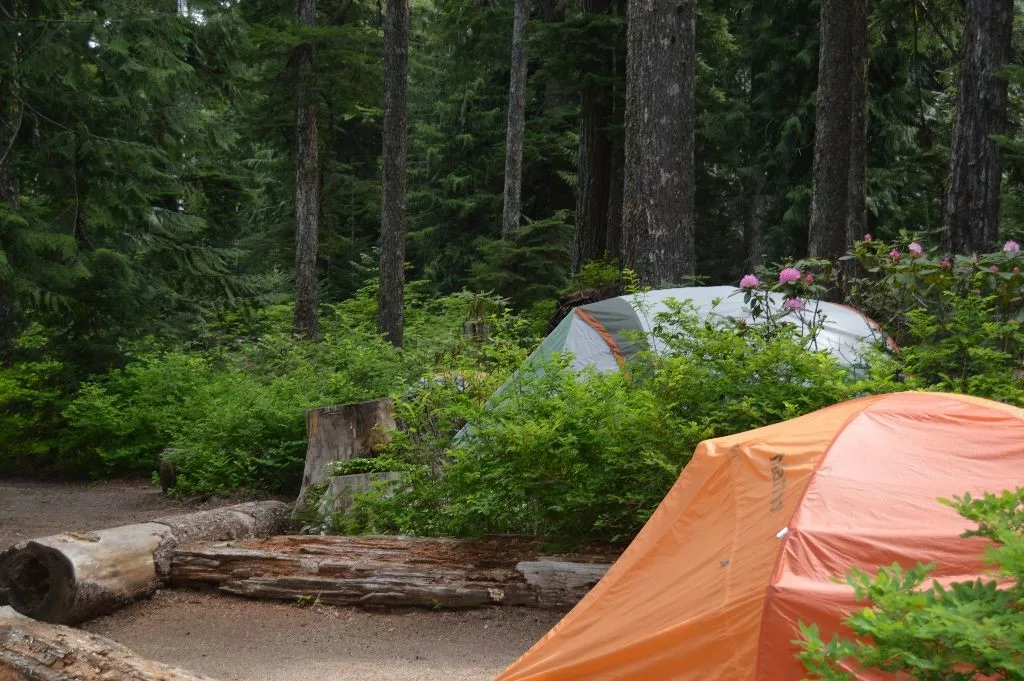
(959,632)
(581,455)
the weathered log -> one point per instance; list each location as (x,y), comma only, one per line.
(71,577)
(393,571)
(344,432)
(35,651)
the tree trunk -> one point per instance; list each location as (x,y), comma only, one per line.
(753,229)
(658,200)
(594,164)
(970,209)
(516,122)
(832,143)
(613,240)
(392,190)
(344,432)
(394,571)
(34,651)
(72,577)
(307,180)
(10,124)
(857,182)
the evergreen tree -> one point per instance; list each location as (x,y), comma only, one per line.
(595,151)
(307,179)
(833,140)
(970,216)
(658,208)
(392,232)
(516,122)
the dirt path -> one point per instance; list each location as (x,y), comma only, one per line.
(239,640)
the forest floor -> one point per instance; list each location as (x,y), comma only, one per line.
(234,639)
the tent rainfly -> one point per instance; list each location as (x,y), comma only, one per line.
(605,334)
(750,539)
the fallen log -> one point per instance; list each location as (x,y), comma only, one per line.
(35,651)
(393,571)
(71,577)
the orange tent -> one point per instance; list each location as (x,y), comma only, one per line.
(751,537)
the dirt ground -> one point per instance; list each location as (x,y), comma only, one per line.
(234,639)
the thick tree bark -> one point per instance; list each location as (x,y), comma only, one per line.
(34,651)
(832,143)
(71,577)
(970,210)
(344,432)
(594,163)
(307,181)
(613,239)
(392,193)
(658,200)
(857,182)
(516,122)
(394,571)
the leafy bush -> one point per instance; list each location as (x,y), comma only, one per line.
(967,631)
(33,390)
(959,320)
(591,456)
(234,419)
(232,410)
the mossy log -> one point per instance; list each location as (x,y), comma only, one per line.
(71,577)
(393,571)
(36,651)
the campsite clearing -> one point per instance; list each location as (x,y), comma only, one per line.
(236,639)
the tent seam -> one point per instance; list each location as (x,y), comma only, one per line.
(605,335)
(785,540)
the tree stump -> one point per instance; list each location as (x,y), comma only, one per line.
(344,432)
(71,577)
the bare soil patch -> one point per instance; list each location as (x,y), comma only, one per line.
(237,639)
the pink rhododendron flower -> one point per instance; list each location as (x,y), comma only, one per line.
(1016,270)
(895,255)
(749,281)
(789,275)
(994,268)
(1011,246)
(916,250)
(867,237)
(945,263)
(793,304)
(809,279)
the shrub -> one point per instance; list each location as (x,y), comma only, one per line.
(591,456)
(33,390)
(969,630)
(119,423)
(957,319)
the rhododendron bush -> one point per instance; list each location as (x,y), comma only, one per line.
(957,320)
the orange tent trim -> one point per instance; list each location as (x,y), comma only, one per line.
(605,335)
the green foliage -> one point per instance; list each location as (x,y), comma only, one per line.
(592,455)
(365,464)
(231,410)
(962,631)
(959,320)
(233,415)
